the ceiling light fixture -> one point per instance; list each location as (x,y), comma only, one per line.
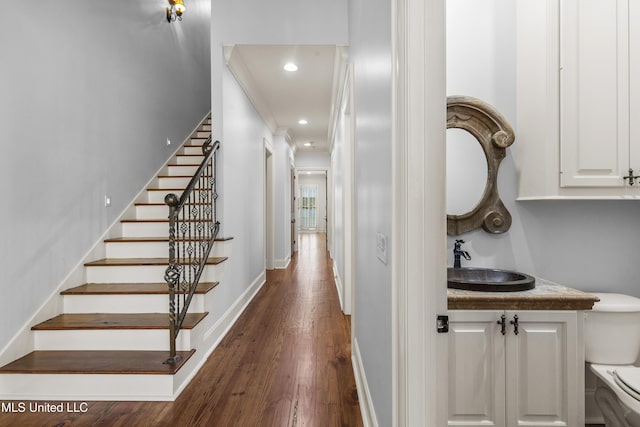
(307,144)
(175,10)
(290,66)
(302,122)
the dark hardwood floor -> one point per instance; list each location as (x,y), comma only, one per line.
(286,362)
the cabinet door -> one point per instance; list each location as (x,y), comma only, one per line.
(594,93)
(544,362)
(476,369)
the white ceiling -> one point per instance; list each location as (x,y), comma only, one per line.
(283,97)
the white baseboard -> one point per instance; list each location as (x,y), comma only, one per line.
(339,288)
(281,264)
(369,418)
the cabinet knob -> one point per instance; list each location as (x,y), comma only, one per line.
(631,177)
(503,324)
(514,322)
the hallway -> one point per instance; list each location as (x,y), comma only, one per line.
(286,362)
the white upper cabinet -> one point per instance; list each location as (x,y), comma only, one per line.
(594,93)
(578,125)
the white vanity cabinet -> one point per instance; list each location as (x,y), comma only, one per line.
(533,378)
(578,98)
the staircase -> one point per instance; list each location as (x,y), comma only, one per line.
(111,339)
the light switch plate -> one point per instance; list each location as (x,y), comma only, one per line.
(382,247)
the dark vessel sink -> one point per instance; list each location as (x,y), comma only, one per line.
(488,280)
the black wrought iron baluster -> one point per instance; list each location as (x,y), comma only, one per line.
(193,218)
(172,276)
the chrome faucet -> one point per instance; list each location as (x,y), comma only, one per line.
(457,252)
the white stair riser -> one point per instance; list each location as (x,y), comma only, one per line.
(148,229)
(181,170)
(198,142)
(101,339)
(203,134)
(189,160)
(206,127)
(174,182)
(192,149)
(154,303)
(157,196)
(82,387)
(145,229)
(152,212)
(153,249)
(144,274)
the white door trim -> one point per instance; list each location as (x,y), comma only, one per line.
(419,214)
(269,206)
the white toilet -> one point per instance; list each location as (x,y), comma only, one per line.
(612,346)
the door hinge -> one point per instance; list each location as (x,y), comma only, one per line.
(442,325)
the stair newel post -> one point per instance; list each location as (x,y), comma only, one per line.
(172,276)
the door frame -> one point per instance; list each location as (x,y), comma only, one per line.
(269,206)
(418,246)
(327,172)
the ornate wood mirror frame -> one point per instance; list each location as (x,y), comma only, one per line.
(494,134)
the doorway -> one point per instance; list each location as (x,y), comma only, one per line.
(312,212)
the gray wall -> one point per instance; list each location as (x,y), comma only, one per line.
(243,163)
(90,93)
(370,48)
(589,245)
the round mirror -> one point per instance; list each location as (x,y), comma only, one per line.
(466,171)
(477,137)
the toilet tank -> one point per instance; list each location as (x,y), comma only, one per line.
(612,330)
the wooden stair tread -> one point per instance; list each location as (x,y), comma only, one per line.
(102,321)
(96,362)
(123,262)
(131,289)
(152,239)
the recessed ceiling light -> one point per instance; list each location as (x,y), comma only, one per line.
(290,66)
(307,144)
(302,122)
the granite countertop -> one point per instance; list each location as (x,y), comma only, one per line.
(545,296)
